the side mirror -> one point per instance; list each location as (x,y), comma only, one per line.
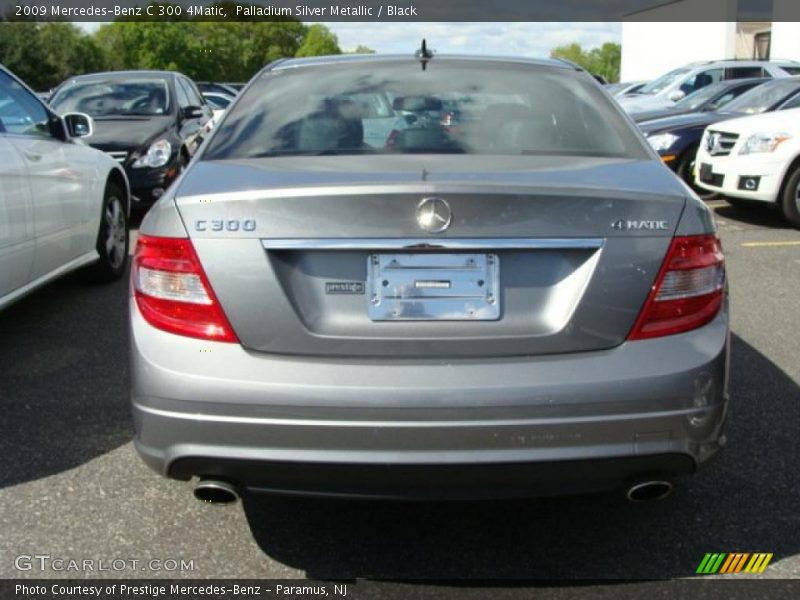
(192,112)
(677,95)
(78,125)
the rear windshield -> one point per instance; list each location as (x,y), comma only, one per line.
(466,107)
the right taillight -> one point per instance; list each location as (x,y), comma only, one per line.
(688,290)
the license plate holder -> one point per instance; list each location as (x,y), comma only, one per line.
(425,286)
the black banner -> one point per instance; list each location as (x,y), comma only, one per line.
(254,589)
(403,10)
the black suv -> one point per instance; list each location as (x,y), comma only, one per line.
(152,122)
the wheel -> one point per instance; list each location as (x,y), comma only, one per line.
(112,238)
(685,171)
(790,203)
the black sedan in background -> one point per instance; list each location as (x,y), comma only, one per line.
(710,98)
(152,122)
(677,138)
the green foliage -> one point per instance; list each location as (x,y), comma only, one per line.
(45,54)
(604,60)
(362,49)
(319,41)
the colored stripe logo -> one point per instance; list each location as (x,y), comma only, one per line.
(735,562)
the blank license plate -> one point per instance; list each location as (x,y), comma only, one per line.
(433,287)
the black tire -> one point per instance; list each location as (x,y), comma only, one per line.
(790,202)
(113,238)
(684,170)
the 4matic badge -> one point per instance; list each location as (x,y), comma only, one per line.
(623,225)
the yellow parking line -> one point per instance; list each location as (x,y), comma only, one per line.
(770,244)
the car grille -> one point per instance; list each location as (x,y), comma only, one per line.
(118,156)
(720,143)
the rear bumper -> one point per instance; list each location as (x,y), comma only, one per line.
(405,428)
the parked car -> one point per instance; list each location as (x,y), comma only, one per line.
(151,122)
(219,103)
(710,98)
(679,83)
(217,88)
(676,139)
(535,305)
(63,205)
(624,87)
(755,159)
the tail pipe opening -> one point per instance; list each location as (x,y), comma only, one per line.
(214,491)
(645,490)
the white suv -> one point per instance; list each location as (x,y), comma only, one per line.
(677,84)
(754,158)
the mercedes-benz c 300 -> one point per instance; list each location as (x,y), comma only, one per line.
(428,277)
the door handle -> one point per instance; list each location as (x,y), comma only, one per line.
(34,156)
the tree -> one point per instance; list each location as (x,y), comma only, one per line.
(603,61)
(319,41)
(45,54)
(362,49)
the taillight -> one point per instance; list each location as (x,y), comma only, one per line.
(173,292)
(688,290)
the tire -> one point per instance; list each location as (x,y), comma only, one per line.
(790,202)
(684,170)
(113,238)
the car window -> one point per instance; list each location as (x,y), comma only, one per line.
(744,72)
(20,111)
(793,102)
(217,102)
(182,94)
(662,82)
(113,97)
(763,97)
(451,107)
(195,98)
(791,70)
(701,80)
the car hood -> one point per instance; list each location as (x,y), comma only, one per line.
(130,133)
(782,120)
(684,121)
(641,102)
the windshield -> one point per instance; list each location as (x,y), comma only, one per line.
(113,97)
(697,99)
(763,97)
(662,82)
(464,107)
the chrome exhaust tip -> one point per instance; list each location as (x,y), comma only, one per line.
(644,491)
(213,491)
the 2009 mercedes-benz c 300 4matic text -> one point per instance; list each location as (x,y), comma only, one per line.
(522,300)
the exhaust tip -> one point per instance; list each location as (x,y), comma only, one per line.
(656,489)
(211,491)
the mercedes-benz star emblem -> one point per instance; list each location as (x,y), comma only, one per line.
(434,215)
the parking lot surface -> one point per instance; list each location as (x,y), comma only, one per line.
(72,487)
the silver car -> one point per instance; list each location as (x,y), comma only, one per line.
(528,303)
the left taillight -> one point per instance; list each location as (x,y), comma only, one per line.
(172,290)
(688,291)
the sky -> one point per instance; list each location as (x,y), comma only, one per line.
(518,39)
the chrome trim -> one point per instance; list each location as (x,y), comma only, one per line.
(432,244)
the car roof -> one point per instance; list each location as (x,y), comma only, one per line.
(124,74)
(291,63)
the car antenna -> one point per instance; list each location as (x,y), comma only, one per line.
(423,55)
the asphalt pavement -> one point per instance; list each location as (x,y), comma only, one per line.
(72,487)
